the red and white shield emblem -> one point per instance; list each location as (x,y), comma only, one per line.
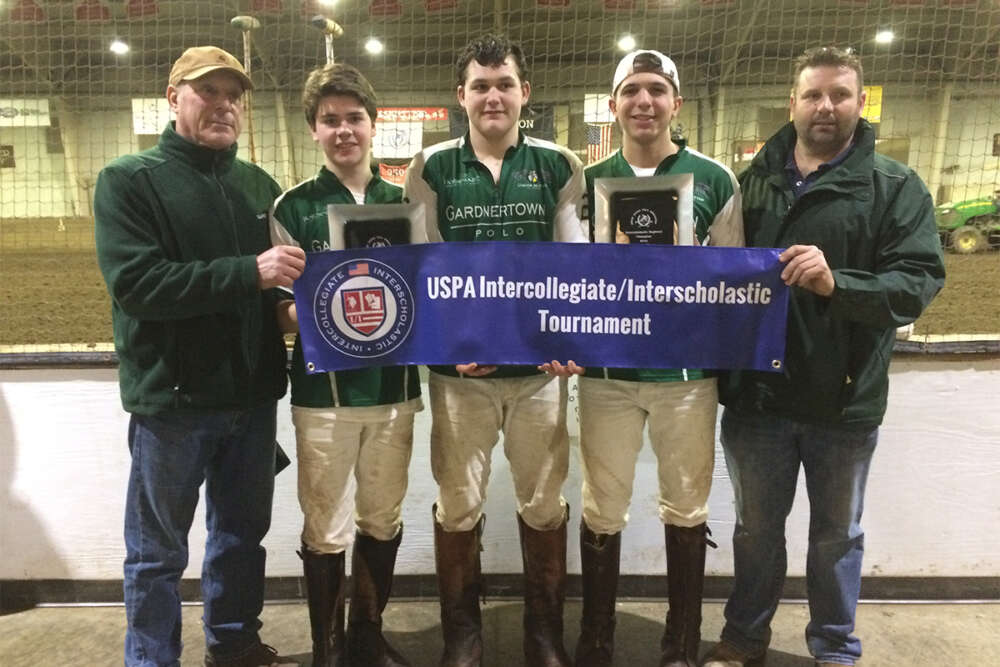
(364,308)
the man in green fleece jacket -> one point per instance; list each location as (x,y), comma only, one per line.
(183,244)
(862,257)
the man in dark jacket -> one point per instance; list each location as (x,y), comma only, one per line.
(182,241)
(862,257)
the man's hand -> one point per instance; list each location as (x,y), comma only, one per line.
(288,317)
(806,267)
(555,368)
(280,266)
(474,369)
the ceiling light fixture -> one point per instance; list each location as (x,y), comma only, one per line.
(884,36)
(626,43)
(374,46)
(118,47)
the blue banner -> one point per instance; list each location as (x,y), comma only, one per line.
(640,306)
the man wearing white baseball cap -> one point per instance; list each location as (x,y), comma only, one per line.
(679,405)
(649,61)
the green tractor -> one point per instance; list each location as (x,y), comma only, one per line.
(970,226)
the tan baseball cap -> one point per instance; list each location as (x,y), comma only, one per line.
(626,68)
(198,61)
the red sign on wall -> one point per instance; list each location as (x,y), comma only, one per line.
(411,114)
(393,173)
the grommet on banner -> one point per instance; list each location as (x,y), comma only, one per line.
(776,364)
(310,367)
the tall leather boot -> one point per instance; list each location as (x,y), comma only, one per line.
(325,594)
(372,564)
(544,556)
(599,559)
(685,582)
(460,582)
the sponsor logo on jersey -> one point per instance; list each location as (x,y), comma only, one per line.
(461,181)
(363,308)
(530,178)
(321,214)
(702,191)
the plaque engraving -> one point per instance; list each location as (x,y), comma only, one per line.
(645,217)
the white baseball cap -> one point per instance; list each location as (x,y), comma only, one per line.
(626,69)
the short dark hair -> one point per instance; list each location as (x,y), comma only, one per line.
(828,56)
(490,50)
(336,79)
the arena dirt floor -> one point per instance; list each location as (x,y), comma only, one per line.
(51,291)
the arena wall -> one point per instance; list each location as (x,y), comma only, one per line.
(933,501)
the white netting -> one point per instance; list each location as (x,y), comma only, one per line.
(68,104)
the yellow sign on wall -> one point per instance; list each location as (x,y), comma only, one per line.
(872,111)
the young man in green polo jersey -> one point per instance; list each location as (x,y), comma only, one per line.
(353,429)
(496,184)
(679,405)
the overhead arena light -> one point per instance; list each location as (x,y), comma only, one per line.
(374,46)
(884,36)
(118,47)
(626,43)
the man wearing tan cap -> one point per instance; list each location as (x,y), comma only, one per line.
(183,244)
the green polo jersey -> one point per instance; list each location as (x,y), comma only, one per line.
(299,217)
(718,220)
(535,199)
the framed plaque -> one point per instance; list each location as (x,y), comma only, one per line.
(653,209)
(374,225)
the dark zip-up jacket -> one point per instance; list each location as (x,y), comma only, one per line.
(178,229)
(874,221)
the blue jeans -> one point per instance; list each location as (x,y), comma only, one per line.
(172,454)
(763,453)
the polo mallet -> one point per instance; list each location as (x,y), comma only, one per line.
(246,24)
(330,29)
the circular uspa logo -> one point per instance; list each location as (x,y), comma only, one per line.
(363,308)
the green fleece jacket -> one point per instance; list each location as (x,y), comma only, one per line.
(178,229)
(874,221)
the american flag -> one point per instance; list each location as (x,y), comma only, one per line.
(598,141)
(359,269)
